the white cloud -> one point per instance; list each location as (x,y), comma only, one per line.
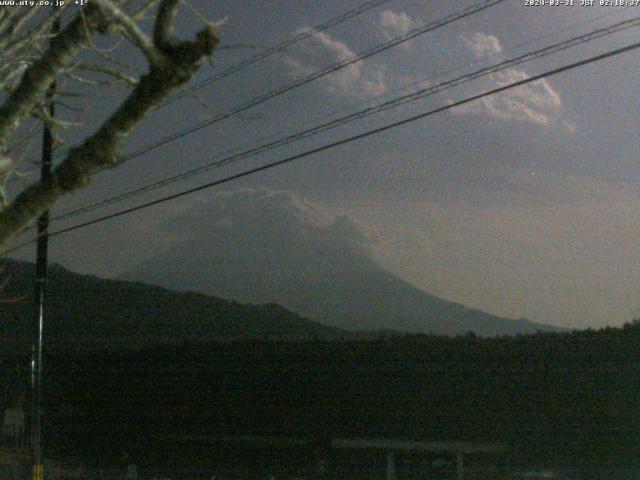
(482,45)
(258,245)
(537,102)
(394,25)
(263,211)
(320,50)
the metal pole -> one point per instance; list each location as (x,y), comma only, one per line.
(40,296)
(459,466)
(391,466)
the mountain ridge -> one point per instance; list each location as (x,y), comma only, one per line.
(256,246)
(88,312)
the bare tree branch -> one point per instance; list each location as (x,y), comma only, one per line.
(174,65)
(42,73)
(108,71)
(133,32)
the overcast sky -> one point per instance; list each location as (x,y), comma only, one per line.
(521,205)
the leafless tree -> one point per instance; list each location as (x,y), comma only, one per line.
(33,55)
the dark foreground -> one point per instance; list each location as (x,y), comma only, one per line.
(559,402)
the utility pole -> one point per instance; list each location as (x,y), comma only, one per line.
(40,293)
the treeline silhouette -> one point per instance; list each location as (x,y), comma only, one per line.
(553,398)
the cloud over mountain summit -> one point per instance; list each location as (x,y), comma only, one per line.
(263,246)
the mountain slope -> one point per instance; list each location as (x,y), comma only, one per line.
(89,312)
(264,246)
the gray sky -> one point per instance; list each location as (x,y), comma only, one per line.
(522,205)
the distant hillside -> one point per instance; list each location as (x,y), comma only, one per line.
(264,246)
(90,312)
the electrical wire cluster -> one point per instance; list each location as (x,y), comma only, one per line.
(393,103)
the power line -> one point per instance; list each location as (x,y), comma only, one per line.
(332,145)
(393,103)
(268,52)
(361,114)
(365,7)
(429,27)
